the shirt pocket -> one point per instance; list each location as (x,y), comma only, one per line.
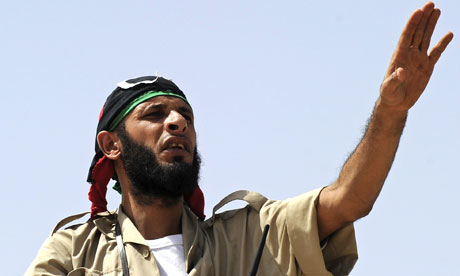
(83,271)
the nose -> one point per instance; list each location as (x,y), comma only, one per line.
(175,123)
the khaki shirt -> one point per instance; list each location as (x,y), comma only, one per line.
(225,244)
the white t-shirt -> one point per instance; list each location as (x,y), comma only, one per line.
(169,254)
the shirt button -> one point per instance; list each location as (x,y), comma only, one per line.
(146,253)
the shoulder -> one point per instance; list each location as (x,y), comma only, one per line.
(57,254)
(254,200)
(103,222)
(263,206)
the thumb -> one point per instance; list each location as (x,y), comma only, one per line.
(391,90)
(395,79)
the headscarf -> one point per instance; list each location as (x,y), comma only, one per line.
(119,103)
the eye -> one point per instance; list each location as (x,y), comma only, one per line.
(188,118)
(154,115)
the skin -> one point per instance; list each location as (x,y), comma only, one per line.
(164,120)
(353,194)
(156,123)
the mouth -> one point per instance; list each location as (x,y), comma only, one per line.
(176,146)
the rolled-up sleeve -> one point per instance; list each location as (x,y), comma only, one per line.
(294,242)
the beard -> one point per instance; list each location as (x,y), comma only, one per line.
(153,182)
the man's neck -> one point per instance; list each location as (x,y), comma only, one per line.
(153,221)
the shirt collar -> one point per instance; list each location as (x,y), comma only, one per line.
(192,236)
(129,230)
(191,232)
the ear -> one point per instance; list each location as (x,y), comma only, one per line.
(109,144)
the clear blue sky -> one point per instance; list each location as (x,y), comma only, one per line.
(281,93)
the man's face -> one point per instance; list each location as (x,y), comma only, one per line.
(165,125)
(164,129)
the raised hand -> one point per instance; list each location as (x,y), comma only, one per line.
(411,66)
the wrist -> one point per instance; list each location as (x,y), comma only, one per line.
(389,112)
(387,118)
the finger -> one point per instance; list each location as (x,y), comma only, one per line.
(437,50)
(417,38)
(409,29)
(429,30)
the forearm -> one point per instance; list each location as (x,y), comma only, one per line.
(364,173)
(354,192)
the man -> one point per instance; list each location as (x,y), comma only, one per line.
(147,142)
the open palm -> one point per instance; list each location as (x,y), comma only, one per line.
(411,66)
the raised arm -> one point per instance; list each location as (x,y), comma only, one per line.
(354,192)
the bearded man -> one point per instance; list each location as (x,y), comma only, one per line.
(146,141)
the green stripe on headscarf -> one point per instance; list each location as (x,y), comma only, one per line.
(139,100)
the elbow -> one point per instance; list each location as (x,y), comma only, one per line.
(344,207)
(354,211)
(363,212)
(356,205)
